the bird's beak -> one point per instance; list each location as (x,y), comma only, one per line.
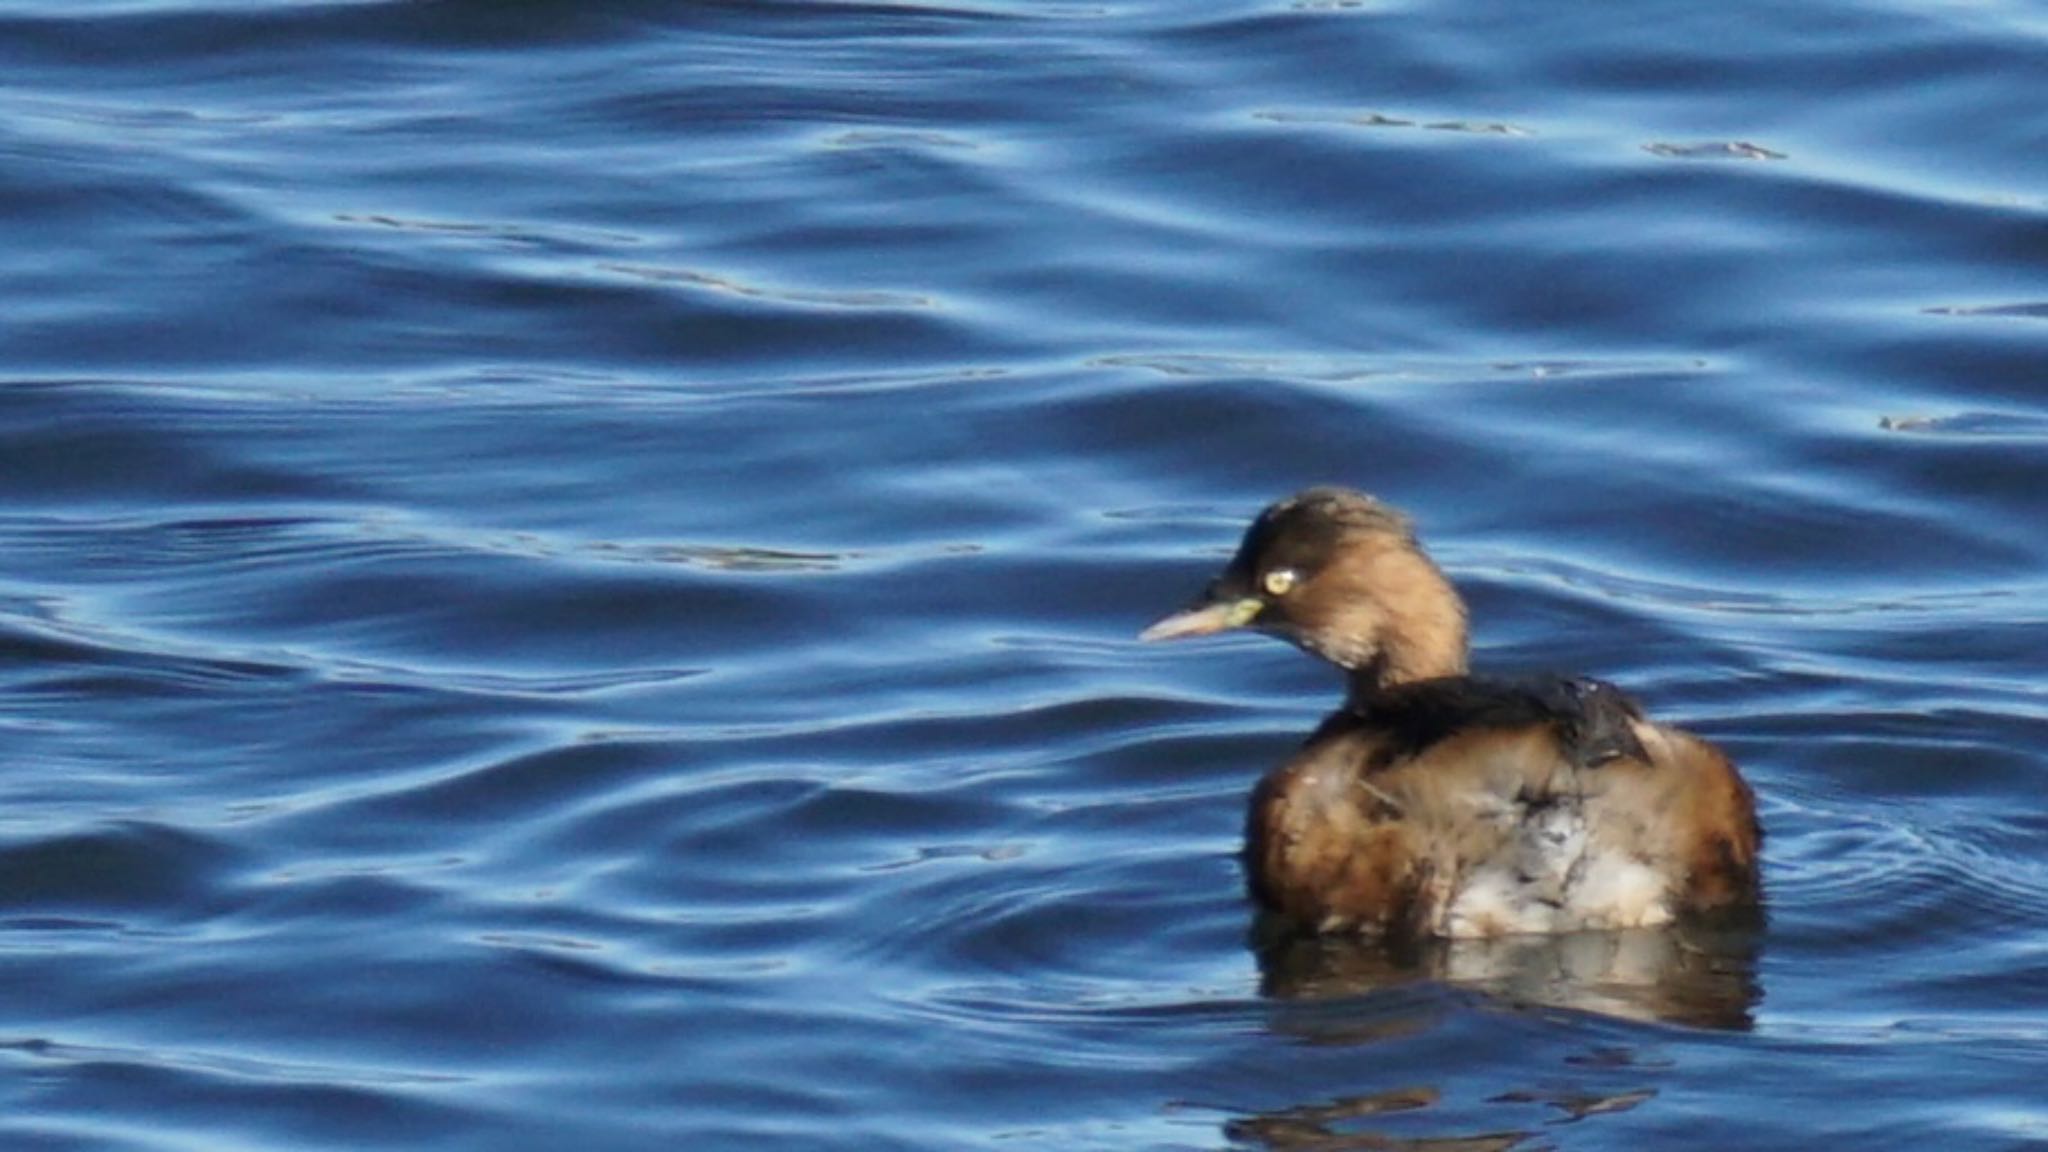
(1206,619)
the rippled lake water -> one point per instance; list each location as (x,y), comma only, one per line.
(568,571)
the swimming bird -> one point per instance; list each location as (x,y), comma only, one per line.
(1435,803)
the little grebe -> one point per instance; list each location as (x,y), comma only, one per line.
(1436,803)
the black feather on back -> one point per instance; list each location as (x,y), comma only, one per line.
(1591,717)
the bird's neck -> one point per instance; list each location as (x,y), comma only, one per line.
(1391,669)
(1426,642)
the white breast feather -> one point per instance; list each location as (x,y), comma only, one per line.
(1551,880)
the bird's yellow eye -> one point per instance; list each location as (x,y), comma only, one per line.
(1279,581)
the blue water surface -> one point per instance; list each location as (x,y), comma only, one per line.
(568,571)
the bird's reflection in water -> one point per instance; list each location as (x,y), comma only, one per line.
(1695,975)
(1340,991)
(1325,1126)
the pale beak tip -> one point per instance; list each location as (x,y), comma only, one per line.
(1160,630)
(1203,621)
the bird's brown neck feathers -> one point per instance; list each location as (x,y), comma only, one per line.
(1414,618)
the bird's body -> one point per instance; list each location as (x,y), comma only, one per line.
(1464,807)
(1436,803)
